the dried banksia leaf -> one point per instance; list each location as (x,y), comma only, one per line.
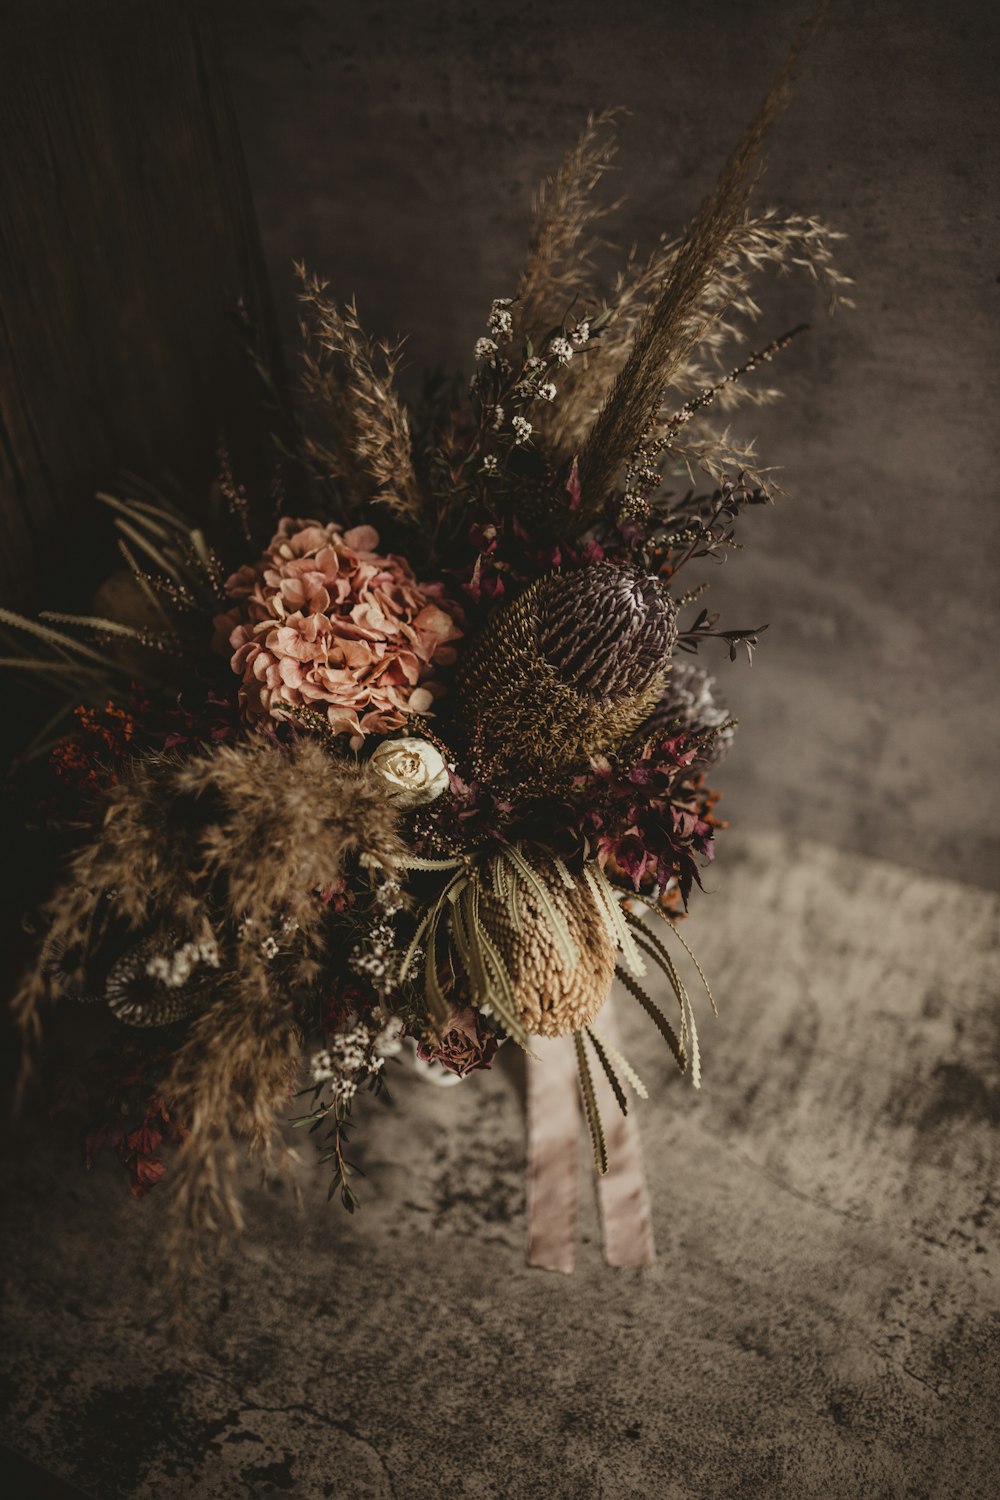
(568,670)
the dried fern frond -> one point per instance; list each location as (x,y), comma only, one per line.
(560,266)
(670,328)
(348,378)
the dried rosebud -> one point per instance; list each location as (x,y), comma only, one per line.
(464,1047)
(413,770)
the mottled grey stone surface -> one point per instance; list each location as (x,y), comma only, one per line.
(395,147)
(821,1324)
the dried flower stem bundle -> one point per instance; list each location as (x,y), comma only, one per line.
(345,808)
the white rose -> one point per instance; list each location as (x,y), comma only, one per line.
(413,770)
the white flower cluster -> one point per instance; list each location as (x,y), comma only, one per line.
(501,320)
(522,429)
(580,334)
(562,350)
(485,349)
(490,463)
(355,1054)
(175,969)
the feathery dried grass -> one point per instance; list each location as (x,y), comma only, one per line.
(671,328)
(230,846)
(560,266)
(761,241)
(228,1083)
(348,379)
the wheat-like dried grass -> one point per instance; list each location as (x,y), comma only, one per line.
(229,846)
(670,329)
(348,380)
(560,267)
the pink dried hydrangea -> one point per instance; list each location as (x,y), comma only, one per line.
(327,623)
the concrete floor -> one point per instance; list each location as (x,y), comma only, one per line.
(821,1322)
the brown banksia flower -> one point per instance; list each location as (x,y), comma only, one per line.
(554,944)
(568,670)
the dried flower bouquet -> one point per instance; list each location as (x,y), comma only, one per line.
(421,759)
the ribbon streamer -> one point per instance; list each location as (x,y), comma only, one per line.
(554,1125)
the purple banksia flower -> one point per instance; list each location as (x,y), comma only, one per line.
(569,670)
(607,630)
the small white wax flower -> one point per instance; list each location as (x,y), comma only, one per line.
(581,333)
(498,417)
(501,321)
(562,350)
(412,769)
(522,430)
(547,391)
(485,349)
(490,463)
(389,1041)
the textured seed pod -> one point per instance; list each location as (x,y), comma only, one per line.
(568,670)
(608,631)
(691,704)
(553,997)
(139,998)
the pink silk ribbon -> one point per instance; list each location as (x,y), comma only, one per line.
(554,1125)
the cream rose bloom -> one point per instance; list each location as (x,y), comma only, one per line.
(412,769)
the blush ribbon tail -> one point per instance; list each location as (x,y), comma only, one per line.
(553,1136)
(554,1125)
(626,1215)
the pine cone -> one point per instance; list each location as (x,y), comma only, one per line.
(568,670)
(690,704)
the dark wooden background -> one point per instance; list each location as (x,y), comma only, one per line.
(127,245)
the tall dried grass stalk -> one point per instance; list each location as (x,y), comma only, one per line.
(761,241)
(671,328)
(348,380)
(560,266)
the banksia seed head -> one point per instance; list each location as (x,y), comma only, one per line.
(691,705)
(570,669)
(553,997)
(607,630)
